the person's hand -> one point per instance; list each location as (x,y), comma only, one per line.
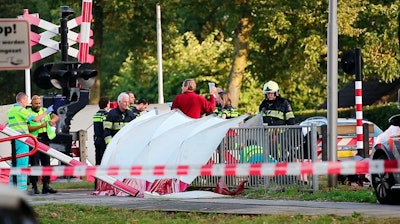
(214,91)
(50,109)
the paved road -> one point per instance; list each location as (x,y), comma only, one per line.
(221,205)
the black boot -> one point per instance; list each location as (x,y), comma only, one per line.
(47,189)
(34,189)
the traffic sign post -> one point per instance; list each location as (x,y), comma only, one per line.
(15,49)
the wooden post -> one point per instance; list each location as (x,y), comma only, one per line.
(82,146)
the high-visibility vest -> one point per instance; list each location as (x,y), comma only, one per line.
(34,124)
(229,111)
(254,154)
(18,117)
(98,126)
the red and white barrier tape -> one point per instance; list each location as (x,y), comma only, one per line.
(262,169)
(67,160)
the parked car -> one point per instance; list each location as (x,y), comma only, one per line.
(387,147)
(346,133)
(347,143)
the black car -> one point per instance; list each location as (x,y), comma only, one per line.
(387,147)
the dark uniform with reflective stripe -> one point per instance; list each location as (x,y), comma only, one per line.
(98,127)
(277,112)
(135,111)
(229,111)
(116,119)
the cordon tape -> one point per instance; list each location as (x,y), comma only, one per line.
(256,169)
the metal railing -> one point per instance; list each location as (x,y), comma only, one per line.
(31,152)
(266,144)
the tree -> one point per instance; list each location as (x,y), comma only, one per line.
(239,61)
(284,41)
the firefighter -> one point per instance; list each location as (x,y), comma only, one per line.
(118,117)
(274,109)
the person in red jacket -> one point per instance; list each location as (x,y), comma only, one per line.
(193,104)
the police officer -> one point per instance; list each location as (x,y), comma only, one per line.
(98,127)
(275,109)
(224,107)
(41,132)
(118,117)
(17,118)
(141,106)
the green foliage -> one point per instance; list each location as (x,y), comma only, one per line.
(186,57)
(288,44)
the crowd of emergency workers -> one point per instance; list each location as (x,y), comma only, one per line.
(41,122)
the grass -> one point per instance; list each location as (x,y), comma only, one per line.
(71,213)
(341,193)
(57,214)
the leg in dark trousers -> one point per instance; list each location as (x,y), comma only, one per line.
(45,161)
(34,161)
(100,146)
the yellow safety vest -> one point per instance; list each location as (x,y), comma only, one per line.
(18,117)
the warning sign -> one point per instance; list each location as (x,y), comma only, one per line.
(15,50)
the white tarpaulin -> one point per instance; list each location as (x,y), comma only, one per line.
(170,138)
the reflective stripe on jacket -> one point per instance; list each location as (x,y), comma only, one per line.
(18,117)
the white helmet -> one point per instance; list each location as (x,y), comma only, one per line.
(271,87)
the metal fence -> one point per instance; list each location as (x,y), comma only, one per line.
(265,144)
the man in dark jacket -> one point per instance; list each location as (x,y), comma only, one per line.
(275,109)
(118,117)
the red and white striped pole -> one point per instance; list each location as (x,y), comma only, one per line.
(85,32)
(358,99)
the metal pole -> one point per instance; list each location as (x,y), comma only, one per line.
(65,11)
(332,86)
(14,160)
(64,39)
(314,156)
(159,56)
(28,82)
(358,100)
